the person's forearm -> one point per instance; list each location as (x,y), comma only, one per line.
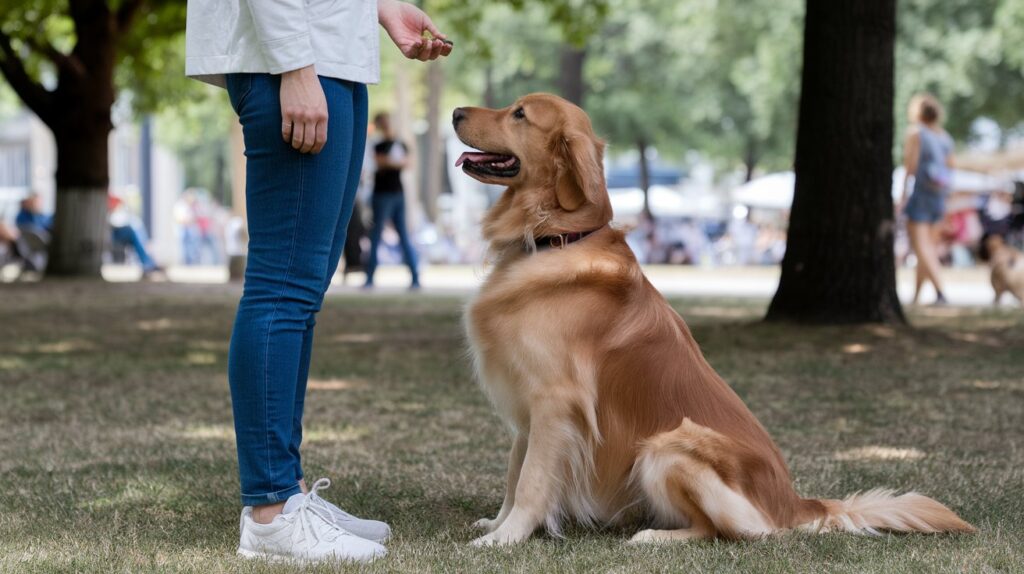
(383,7)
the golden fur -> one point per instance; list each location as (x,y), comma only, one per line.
(1007,265)
(614,408)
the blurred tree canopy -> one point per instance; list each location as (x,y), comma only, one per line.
(718,76)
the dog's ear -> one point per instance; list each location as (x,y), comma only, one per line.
(580,175)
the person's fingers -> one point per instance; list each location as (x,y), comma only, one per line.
(321,136)
(435,49)
(430,27)
(286,129)
(413,52)
(308,136)
(428,47)
(297,129)
(446,49)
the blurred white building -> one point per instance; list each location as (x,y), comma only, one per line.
(28,162)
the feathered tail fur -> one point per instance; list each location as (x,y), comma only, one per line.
(879,510)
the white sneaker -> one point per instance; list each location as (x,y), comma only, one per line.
(369,529)
(304,532)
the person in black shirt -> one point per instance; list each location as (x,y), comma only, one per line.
(388,201)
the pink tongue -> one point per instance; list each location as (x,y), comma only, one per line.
(478,157)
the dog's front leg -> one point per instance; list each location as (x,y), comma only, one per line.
(515,466)
(541,478)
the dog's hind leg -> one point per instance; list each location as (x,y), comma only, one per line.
(515,467)
(676,471)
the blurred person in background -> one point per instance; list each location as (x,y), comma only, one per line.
(30,214)
(127,230)
(296,74)
(928,159)
(388,202)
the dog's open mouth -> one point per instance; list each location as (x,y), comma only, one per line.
(492,164)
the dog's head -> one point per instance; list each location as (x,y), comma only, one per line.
(991,248)
(544,149)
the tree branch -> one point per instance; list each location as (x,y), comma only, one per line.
(33,94)
(126,12)
(59,59)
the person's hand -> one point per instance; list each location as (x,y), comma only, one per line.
(303,110)
(405,24)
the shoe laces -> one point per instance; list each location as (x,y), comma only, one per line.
(324,504)
(314,517)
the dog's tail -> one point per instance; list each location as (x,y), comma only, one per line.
(880,510)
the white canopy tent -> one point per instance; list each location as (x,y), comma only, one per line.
(667,202)
(775,191)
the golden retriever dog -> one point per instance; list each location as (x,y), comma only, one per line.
(613,406)
(1007,267)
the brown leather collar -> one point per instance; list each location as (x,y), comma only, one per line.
(561,240)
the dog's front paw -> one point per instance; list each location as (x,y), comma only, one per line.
(499,538)
(644,536)
(485,524)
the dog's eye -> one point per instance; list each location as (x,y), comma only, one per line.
(519,114)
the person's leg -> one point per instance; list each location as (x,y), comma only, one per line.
(294,201)
(340,233)
(381,206)
(921,241)
(408,251)
(128,234)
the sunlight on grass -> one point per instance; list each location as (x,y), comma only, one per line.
(136,491)
(334,384)
(880,453)
(209,432)
(344,434)
(57,347)
(856,348)
(161,324)
(200,358)
(12,363)
(331,435)
(356,338)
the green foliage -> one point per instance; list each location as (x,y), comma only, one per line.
(966,52)
(198,131)
(150,50)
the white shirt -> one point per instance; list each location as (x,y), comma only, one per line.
(339,37)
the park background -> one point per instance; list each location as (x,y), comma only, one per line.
(117,433)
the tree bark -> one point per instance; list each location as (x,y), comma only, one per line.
(839,266)
(644,169)
(570,79)
(750,158)
(490,100)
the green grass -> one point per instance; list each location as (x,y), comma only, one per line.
(117,455)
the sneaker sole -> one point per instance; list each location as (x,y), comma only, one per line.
(280,558)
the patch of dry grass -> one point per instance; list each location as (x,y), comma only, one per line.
(117,453)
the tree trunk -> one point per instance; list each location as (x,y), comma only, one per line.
(645,177)
(490,100)
(839,265)
(81,129)
(570,79)
(81,231)
(749,161)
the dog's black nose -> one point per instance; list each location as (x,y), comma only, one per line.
(457,116)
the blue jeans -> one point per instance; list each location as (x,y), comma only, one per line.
(390,207)
(298,207)
(130,236)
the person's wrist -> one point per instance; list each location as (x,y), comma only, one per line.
(384,8)
(299,73)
